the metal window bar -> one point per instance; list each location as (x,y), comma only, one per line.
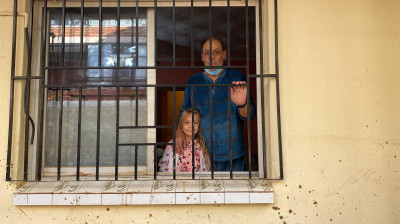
(117,134)
(62,88)
(260,19)
(211,135)
(193,148)
(63,33)
(248,86)
(100,32)
(42,93)
(78,157)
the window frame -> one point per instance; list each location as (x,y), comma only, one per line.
(272,86)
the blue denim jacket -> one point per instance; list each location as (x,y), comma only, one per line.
(220,118)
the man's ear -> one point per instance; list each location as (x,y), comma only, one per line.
(224,55)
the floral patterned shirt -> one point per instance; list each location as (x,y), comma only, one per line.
(183,161)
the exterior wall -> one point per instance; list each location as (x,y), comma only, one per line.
(339,105)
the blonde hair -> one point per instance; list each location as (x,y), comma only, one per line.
(198,136)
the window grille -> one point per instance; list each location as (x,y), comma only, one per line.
(84,55)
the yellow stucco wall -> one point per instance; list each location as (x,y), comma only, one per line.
(340,97)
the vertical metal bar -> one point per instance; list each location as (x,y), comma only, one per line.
(60,127)
(173,132)
(155,124)
(132,29)
(118,33)
(11,111)
(78,156)
(118,71)
(277,89)
(193,159)
(173,34)
(100,31)
(137,107)
(136,160)
(63,33)
(212,134)
(260,18)
(248,87)
(230,135)
(98,132)
(210,33)
(82,30)
(137,33)
(27,91)
(42,92)
(228,19)
(137,124)
(117,135)
(155,32)
(191,35)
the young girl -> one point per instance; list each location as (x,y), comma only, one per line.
(183,161)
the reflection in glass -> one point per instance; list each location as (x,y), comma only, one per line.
(112,73)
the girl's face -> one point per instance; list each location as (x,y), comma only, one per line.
(187,125)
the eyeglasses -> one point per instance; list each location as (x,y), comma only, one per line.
(214,53)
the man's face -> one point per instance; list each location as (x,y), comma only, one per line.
(218,55)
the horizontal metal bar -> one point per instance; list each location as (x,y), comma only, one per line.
(139,86)
(155,126)
(263,76)
(26,77)
(145,144)
(146,67)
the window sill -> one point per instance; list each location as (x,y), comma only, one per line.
(148,192)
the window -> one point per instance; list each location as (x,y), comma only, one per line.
(100,78)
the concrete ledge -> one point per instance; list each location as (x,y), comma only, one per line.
(144,192)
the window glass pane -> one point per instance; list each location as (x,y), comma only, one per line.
(71,78)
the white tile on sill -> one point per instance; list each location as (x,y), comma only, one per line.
(25,188)
(212,198)
(40,199)
(259,186)
(212,186)
(236,186)
(164,186)
(187,198)
(142,186)
(92,187)
(187,186)
(259,198)
(44,187)
(88,199)
(162,198)
(116,187)
(113,199)
(237,198)
(68,187)
(64,199)
(138,198)
(20,199)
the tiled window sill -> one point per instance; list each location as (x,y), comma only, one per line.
(144,192)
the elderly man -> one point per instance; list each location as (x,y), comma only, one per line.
(220,122)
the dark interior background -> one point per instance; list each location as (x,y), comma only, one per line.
(183,52)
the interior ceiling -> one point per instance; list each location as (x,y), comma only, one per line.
(201,31)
